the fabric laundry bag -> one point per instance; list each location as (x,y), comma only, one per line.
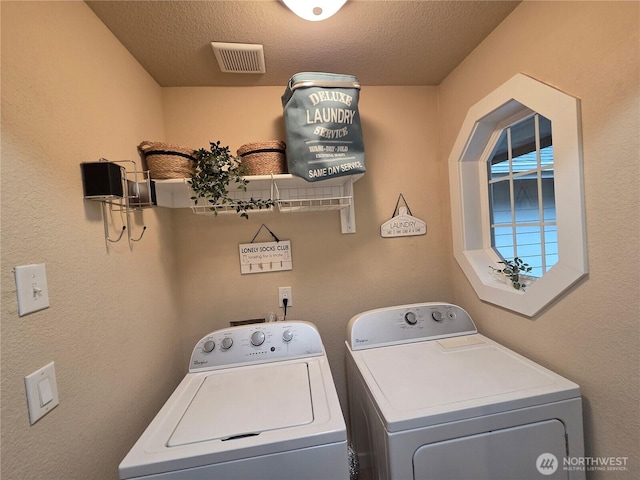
(322,122)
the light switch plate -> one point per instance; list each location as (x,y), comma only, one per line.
(42,392)
(31,285)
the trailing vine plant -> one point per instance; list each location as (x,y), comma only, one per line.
(513,269)
(216,170)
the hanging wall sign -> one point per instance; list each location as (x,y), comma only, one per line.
(265,257)
(402,223)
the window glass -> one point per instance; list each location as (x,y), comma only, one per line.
(548,195)
(522,196)
(499,163)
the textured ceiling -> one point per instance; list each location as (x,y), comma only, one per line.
(410,42)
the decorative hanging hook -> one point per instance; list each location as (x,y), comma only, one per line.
(395,210)
(258,232)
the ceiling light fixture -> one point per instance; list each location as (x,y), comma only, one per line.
(314,10)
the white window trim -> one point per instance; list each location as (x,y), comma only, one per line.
(515,99)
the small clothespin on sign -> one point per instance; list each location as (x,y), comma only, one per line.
(402,223)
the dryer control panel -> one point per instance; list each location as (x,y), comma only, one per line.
(408,323)
(256,343)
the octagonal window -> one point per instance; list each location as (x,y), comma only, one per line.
(516,191)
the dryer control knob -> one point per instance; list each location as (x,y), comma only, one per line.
(287,336)
(226,343)
(410,318)
(208,346)
(437,316)
(257,338)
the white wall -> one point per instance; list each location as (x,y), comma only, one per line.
(590,50)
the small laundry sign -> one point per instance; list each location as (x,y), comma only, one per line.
(402,223)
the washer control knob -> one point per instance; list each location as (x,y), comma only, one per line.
(226,343)
(287,336)
(437,316)
(410,318)
(208,346)
(257,338)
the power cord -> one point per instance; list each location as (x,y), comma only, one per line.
(285,301)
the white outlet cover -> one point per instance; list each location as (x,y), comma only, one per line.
(42,392)
(282,291)
(32,289)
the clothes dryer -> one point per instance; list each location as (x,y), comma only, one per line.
(430,398)
(258,402)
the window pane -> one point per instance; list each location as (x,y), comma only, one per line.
(526,199)
(499,159)
(523,143)
(546,157)
(500,201)
(503,241)
(525,163)
(551,246)
(548,196)
(544,127)
(521,170)
(530,248)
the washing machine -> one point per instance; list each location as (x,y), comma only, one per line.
(432,399)
(258,402)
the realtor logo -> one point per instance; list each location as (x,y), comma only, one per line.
(547,463)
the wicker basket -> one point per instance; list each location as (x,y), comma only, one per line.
(264,158)
(165,160)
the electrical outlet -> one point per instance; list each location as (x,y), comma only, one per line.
(285,292)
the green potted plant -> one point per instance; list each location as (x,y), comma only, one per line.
(216,170)
(514,271)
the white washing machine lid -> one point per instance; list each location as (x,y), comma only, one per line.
(233,403)
(430,382)
(232,414)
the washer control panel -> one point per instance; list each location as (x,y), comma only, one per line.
(408,323)
(256,343)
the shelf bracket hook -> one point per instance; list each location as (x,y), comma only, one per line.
(107,239)
(144,229)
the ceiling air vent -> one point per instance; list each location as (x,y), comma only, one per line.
(239,57)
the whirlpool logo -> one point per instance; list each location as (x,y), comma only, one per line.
(547,464)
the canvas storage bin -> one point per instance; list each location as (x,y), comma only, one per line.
(322,122)
(165,160)
(263,158)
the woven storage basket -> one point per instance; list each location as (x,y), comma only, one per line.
(264,158)
(165,160)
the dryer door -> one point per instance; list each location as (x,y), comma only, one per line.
(505,454)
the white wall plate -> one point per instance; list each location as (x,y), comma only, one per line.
(32,289)
(42,392)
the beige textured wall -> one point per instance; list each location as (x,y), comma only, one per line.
(589,50)
(334,276)
(71,93)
